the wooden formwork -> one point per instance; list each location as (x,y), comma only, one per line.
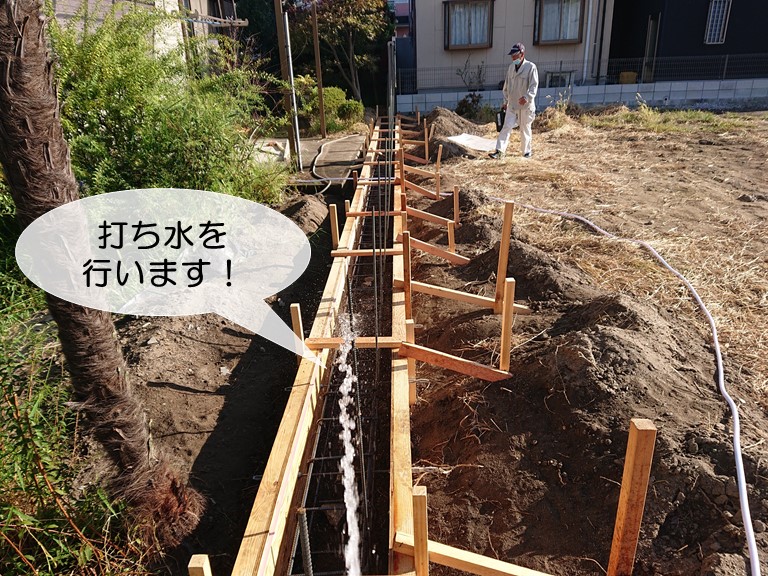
(267,542)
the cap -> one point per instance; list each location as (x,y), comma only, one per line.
(517,48)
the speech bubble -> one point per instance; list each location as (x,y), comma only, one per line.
(169,252)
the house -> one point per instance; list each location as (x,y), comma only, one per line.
(203,16)
(465,42)
(589,51)
(694,39)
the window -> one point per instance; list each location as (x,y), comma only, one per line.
(717,21)
(557,21)
(468,24)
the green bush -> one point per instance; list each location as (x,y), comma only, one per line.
(135,119)
(351,111)
(469,106)
(333,98)
(340,113)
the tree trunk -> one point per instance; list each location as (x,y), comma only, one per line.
(35,158)
(353,72)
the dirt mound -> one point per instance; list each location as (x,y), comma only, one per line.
(448,123)
(443,123)
(522,469)
(308,212)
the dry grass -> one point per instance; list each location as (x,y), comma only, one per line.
(672,180)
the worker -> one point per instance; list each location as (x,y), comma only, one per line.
(520,87)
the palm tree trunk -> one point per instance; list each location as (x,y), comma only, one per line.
(35,158)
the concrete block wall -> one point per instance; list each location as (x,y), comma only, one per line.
(722,93)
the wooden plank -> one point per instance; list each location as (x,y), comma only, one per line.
(401,475)
(261,551)
(331,342)
(298,326)
(429,217)
(334,226)
(420,531)
(420,189)
(412,142)
(464,560)
(410,336)
(419,171)
(260,547)
(460,365)
(397,230)
(369,213)
(634,486)
(199,565)
(413,158)
(481,301)
(507,315)
(449,293)
(345,252)
(407,274)
(380,342)
(441,252)
(501,270)
(451,236)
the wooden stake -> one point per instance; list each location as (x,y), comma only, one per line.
(347,206)
(404,209)
(418,117)
(410,336)
(506,323)
(451,238)
(298,326)
(407,274)
(456,205)
(437,167)
(334,223)
(420,531)
(401,158)
(354,179)
(501,271)
(199,565)
(634,486)
(426,141)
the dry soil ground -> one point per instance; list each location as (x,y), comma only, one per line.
(527,470)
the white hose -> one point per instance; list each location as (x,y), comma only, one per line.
(754,560)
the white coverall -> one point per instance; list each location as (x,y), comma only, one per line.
(520,83)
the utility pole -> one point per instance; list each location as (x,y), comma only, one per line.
(284,70)
(318,69)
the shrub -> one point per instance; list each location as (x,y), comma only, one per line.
(469,106)
(351,111)
(340,113)
(333,98)
(136,120)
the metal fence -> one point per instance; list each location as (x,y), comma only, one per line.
(571,72)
